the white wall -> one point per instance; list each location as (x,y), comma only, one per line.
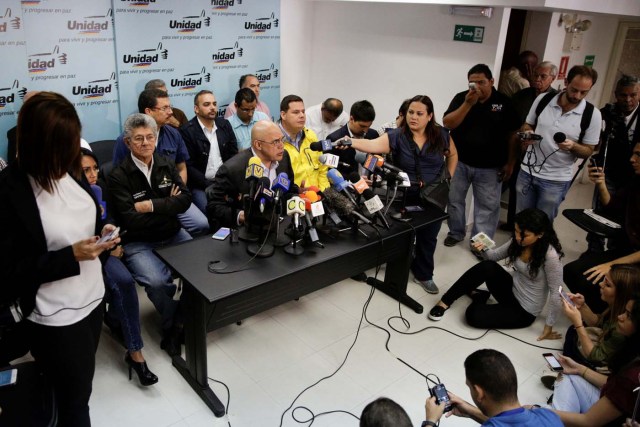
(380,52)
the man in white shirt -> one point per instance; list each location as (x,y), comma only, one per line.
(249,81)
(246,116)
(210,141)
(326,118)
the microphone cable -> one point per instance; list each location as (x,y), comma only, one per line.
(226,407)
(530,160)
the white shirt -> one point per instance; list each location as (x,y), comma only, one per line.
(143,167)
(322,129)
(632,128)
(215,159)
(68,215)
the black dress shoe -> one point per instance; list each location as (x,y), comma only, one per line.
(145,376)
(171,342)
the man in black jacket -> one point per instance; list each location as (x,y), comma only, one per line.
(210,141)
(148,194)
(224,207)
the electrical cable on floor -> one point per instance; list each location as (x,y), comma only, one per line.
(226,407)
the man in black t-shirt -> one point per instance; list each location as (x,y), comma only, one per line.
(483,123)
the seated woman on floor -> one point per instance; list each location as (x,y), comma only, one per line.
(533,253)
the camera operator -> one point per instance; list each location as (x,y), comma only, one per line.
(493,385)
(616,145)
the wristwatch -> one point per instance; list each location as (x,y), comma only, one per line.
(428,423)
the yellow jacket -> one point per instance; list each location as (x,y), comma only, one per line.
(306,164)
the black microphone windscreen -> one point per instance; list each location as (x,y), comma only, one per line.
(368,194)
(338,202)
(559,137)
(316,146)
(354,177)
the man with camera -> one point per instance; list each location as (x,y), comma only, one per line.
(561,136)
(617,140)
(493,385)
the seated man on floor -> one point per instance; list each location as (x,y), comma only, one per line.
(225,208)
(148,195)
(210,141)
(493,385)
(305,162)
(584,274)
(169,143)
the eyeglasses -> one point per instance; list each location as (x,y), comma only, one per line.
(138,140)
(275,142)
(86,170)
(164,109)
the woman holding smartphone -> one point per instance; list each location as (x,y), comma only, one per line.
(123,314)
(534,254)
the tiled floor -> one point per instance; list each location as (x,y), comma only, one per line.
(274,356)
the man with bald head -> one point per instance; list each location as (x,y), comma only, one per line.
(326,118)
(224,196)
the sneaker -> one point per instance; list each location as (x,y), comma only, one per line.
(428,285)
(549,378)
(450,241)
(436,312)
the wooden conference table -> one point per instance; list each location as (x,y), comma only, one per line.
(214,300)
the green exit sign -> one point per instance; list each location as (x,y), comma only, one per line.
(468,33)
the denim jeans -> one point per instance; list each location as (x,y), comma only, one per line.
(149,271)
(123,306)
(426,239)
(573,393)
(544,194)
(486,200)
(199,198)
(194,221)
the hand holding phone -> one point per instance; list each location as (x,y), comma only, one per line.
(553,363)
(113,234)
(565,297)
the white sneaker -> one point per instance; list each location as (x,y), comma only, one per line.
(428,285)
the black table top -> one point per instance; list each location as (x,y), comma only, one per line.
(191,259)
(584,221)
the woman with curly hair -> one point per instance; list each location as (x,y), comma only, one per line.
(533,254)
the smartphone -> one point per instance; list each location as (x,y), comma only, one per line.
(221,234)
(8,377)
(553,362)
(564,295)
(441,395)
(414,208)
(109,236)
(593,162)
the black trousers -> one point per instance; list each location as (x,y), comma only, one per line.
(506,314)
(67,356)
(577,282)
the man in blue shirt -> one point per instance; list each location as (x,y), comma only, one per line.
(246,116)
(493,384)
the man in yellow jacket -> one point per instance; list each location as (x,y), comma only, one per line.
(306,165)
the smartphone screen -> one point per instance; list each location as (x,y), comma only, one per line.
(553,362)
(564,295)
(8,377)
(110,236)
(221,234)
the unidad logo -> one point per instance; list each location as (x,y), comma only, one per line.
(145,57)
(224,4)
(91,25)
(188,24)
(192,80)
(226,54)
(266,74)
(8,94)
(261,25)
(96,88)
(41,62)
(222,109)
(7,22)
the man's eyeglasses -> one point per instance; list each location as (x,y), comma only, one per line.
(275,142)
(164,109)
(138,140)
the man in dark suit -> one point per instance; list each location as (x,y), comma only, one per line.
(210,141)
(361,117)
(224,207)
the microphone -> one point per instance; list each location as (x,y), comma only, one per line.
(332,161)
(295,208)
(368,161)
(253,173)
(384,165)
(309,198)
(340,184)
(374,206)
(328,145)
(559,137)
(342,205)
(280,186)
(264,193)
(358,183)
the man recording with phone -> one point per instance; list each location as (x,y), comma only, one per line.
(493,386)
(567,132)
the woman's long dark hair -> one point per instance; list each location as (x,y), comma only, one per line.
(537,222)
(433,131)
(630,350)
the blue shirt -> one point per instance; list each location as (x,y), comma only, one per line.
(169,145)
(430,163)
(521,417)
(243,130)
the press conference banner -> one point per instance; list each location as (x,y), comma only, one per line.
(194,45)
(100,53)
